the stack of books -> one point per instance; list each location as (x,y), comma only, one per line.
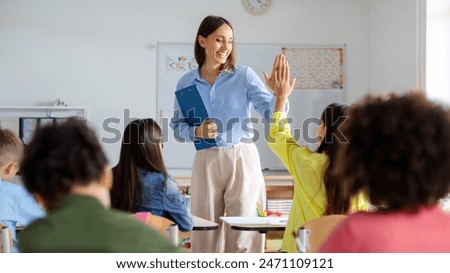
(280,205)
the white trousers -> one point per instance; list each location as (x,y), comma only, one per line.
(228,181)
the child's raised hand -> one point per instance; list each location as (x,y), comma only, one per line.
(282,83)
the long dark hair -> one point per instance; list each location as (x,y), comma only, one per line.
(141,150)
(209,25)
(332,117)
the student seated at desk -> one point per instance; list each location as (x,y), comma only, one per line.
(17,206)
(66,169)
(398,154)
(141,182)
(316,191)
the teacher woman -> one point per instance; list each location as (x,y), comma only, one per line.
(226,178)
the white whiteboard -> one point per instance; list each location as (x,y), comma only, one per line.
(174,60)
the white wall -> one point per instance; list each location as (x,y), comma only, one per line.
(437,51)
(393,45)
(101,53)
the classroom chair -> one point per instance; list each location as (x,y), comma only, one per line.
(164,226)
(6,242)
(318,230)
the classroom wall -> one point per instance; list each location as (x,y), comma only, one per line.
(102,53)
(393,45)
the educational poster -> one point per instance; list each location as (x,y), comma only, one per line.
(316,68)
(180,62)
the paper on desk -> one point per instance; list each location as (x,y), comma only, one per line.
(254,220)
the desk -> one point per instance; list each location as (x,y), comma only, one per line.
(254,223)
(203,224)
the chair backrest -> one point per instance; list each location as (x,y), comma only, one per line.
(6,242)
(159,223)
(142,216)
(320,228)
(166,227)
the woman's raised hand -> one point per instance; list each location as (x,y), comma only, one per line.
(270,81)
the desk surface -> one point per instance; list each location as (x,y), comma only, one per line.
(203,224)
(260,224)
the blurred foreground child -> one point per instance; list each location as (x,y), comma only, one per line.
(17,206)
(66,169)
(398,154)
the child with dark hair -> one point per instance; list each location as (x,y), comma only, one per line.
(17,206)
(66,169)
(398,154)
(141,182)
(317,191)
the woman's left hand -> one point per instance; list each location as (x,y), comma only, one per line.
(270,81)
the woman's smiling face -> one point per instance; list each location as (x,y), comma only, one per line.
(218,45)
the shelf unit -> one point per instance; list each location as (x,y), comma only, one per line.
(10,115)
(42,112)
(279,184)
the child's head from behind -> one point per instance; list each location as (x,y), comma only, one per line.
(398,151)
(11,153)
(330,136)
(61,157)
(141,151)
(329,133)
(142,145)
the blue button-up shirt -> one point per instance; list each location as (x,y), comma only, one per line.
(228,101)
(17,207)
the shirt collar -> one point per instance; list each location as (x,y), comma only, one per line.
(200,79)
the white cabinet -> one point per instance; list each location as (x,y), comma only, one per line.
(24,119)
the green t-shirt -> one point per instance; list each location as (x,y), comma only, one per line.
(81,224)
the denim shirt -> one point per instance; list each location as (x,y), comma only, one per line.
(17,207)
(164,200)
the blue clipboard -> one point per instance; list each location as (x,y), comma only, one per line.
(194,112)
